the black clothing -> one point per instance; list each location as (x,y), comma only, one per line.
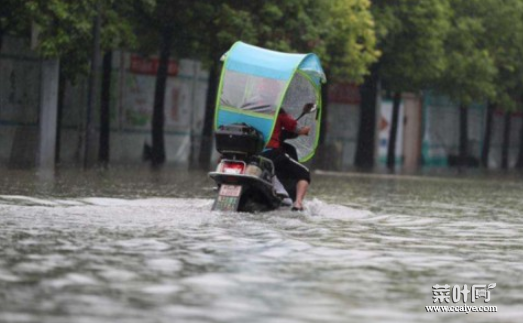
(287,167)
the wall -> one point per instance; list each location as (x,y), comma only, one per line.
(441,133)
(132,94)
(342,124)
(20,71)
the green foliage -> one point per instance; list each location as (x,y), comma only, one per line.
(65,29)
(190,22)
(470,71)
(233,25)
(290,26)
(347,33)
(341,32)
(13,17)
(503,23)
(484,50)
(470,50)
(411,37)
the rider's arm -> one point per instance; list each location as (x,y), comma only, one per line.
(303,131)
(291,125)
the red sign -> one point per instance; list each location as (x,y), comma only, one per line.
(149,65)
(344,93)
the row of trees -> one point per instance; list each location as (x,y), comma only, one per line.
(340,31)
(469,50)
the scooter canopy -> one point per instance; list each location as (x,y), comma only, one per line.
(256,83)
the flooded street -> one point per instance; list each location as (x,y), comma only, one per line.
(129,245)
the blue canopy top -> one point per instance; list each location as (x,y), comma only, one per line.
(256,82)
(263,62)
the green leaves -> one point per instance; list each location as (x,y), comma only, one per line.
(66,27)
(234,24)
(341,32)
(348,38)
(412,34)
(483,52)
(470,50)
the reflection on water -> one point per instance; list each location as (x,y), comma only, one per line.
(133,246)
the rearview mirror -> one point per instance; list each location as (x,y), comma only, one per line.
(308,108)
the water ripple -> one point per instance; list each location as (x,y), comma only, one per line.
(370,254)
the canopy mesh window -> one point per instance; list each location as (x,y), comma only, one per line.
(301,92)
(251,93)
(257,82)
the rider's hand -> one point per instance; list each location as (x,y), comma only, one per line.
(304,131)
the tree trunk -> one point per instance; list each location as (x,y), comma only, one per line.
(324,113)
(488,134)
(105,105)
(463,136)
(519,163)
(365,149)
(158,121)
(204,159)
(391,151)
(95,63)
(323,159)
(506,141)
(61,96)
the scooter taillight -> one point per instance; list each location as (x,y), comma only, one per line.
(232,167)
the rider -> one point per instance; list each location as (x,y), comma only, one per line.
(283,163)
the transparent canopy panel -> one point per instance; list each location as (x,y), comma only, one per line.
(301,91)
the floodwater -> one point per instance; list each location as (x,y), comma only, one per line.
(130,245)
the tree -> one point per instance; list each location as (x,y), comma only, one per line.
(412,34)
(105,105)
(365,145)
(519,161)
(506,140)
(233,22)
(172,29)
(14,18)
(349,39)
(504,26)
(117,24)
(65,31)
(350,48)
(470,68)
